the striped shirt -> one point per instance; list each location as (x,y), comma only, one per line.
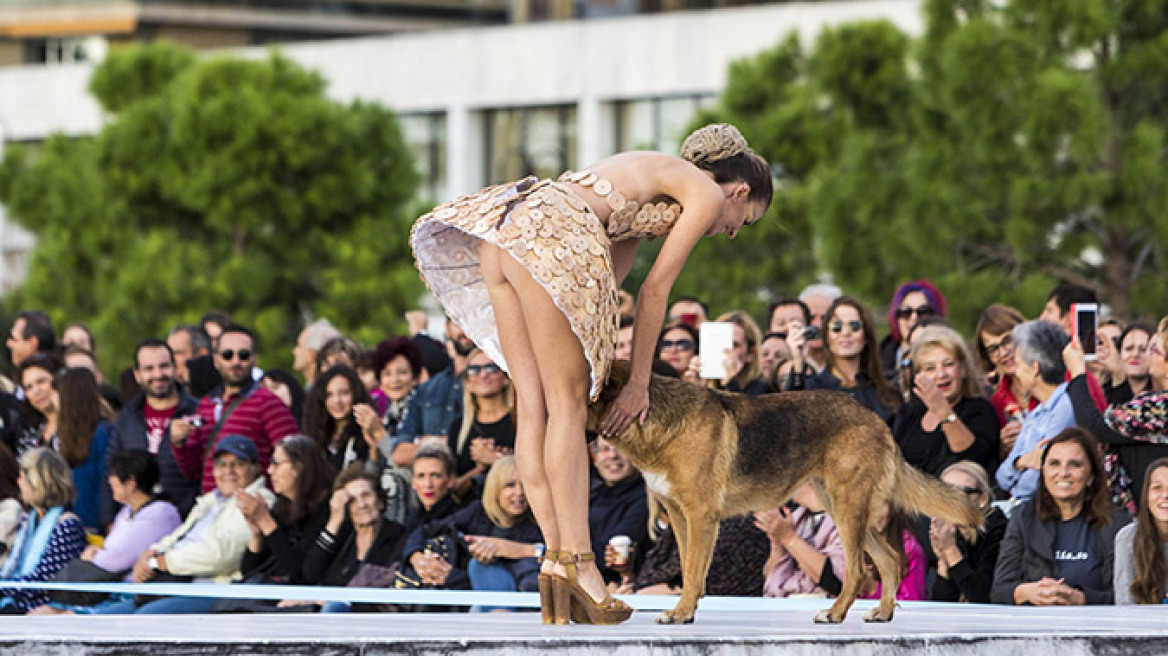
(262,417)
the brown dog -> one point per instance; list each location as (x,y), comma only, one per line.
(712,455)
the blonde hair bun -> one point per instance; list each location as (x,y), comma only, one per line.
(714,142)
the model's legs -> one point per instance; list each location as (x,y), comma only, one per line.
(565,375)
(531,414)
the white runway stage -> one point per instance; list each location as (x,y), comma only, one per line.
(933,629)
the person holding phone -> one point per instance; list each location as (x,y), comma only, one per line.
(740,364)
(853,359)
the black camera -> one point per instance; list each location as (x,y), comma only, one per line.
(811,332)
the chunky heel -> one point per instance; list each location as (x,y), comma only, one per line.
(580,606)
(561,600)
(546,580)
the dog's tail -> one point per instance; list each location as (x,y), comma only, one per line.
(924,495)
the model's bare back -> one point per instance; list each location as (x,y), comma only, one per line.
(644,176)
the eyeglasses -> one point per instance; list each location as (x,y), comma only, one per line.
(837,326)
(969,491)
(480,369)
(1004,345)
(921,311)
(229,355)
(676,345)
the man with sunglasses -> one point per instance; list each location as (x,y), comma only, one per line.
(240,406)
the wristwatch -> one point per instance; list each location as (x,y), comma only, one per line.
(152,563)
(539,548)
(950,419)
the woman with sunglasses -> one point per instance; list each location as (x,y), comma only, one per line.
(995,344)
(677,346)
(852,361)
(912,302)
(485,431)
(965,569)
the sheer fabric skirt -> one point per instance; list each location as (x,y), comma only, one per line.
(552,233)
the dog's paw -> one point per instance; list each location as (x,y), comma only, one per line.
(877,615)
(669,617)
(824,617)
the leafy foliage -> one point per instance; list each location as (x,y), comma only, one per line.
(218,183)
(1010,147)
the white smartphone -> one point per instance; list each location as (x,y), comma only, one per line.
(1086,326)
(714,339)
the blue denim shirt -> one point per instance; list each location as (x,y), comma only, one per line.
(1045,421)
(434,406)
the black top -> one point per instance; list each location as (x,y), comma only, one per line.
(865,391)
(419,517)
(972,578)
(282,554)
(756,387)
(1134,455)
(620,509)
(501,431)
(930,452)
(332,559)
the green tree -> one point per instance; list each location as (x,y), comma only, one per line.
(1011,147)
(217,183)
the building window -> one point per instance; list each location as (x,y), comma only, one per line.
(539,141)
(659,124)
(425,136)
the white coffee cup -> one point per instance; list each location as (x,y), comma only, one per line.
(621,545)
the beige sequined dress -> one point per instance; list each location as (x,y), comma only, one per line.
(556,236)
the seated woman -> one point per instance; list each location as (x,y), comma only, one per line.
(431,476)
(11,510)
(209,545)
(617,506)
(501,537)
(1141,548)
(142,521)
(1133,375)
(301,479)
(852,359)
(965,570)
(913,301)
(948,418)
(485,430)
(736,568)
(1040,373)
(49,536)
(1136,430)
(329,417)
(913,563)
(1059,547)
(744,361)
(84,434)
(677,345)
(806,552)
(995,343)
(356,534)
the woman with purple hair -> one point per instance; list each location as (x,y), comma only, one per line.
(912,302)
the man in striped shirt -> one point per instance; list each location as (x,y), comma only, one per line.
(243,406)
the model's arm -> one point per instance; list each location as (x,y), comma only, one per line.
(701,200)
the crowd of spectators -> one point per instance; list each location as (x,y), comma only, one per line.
(391,466)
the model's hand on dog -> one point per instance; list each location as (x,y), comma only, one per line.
(632,404)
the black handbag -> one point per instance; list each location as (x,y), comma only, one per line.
(82,571)
(160,577)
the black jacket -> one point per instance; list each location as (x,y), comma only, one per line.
(621,509)
(130,434)
(332,559)
(1027,554)
(282,556)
